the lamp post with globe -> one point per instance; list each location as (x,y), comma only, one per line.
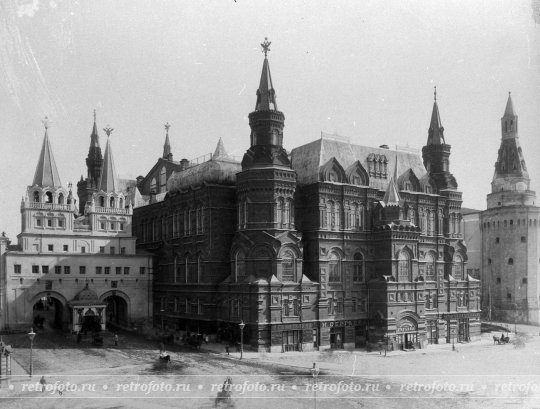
(241,325)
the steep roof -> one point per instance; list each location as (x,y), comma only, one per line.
(108,181)
(46,172)
(307,160)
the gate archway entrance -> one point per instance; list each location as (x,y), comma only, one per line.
(117,310)
(48,312)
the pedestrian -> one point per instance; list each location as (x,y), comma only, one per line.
(115,339)
(161,347)
(206,339)
(43,382)
(79,337)
(227,349)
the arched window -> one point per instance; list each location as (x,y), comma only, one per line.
(404,267)
(111,202)
(36,197)
(162,180)
(121,203)
(511,261)
(239,266)
(288,267)
(457,267)
(153,186)
(102,201)
(332,176)
(48,197)
(61,198)
(358,268)
(280,212)
(430,267)
(337,215)
(329,213)
(334,268)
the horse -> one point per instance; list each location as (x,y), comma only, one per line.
(165,359)
(496,340)
(505,340)
(224,396)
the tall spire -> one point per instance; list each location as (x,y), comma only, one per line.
(94,137)
(266,96)
(511,182)
(509,111)
(46,172)
(108,181)
(167,146)
(436,130)
(266,124)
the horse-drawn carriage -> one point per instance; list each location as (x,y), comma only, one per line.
(501,340)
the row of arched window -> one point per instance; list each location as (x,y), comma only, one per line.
(187,223)
(404,270)
(49,197)
(110,201)
(353,217)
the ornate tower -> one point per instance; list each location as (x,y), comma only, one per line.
(94,162)
(47,207)
(511,183)
(436,153)
(266,187)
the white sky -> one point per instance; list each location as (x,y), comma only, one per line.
(363,69)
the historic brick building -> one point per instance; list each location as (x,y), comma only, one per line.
(333,245)
(504,238)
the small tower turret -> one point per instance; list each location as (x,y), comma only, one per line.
(436,153)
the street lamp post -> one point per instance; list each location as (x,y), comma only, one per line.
(314,373)
(31,336)
(241,325)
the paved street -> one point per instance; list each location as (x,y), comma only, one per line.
(476,375)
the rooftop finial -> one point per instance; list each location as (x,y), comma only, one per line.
(266,46)
(46,122)
(94,115)
(167,126)
(509,93)
(435,93)
(108,130)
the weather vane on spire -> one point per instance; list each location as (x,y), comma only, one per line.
(266,46)
(167,126)
(46,122)
(435,92)
(108,130)
(94,115)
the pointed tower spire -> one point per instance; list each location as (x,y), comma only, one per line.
(108,181)
(266,123)
(266,96)
(436,130)
(391,196)
(94,137)
(511,182)
(509,111)
(220,153)
(46,172)
(436,152)
(167,146)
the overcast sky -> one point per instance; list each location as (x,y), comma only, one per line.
(362,69)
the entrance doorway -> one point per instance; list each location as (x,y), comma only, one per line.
(336,338)
(407,341)
(463,330)
(48,312)
(117,310)
(291,341)
(91,322)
